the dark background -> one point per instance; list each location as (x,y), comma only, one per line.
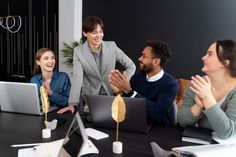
(39,29)
(188,26)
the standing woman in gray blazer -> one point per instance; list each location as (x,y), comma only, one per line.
(93,62)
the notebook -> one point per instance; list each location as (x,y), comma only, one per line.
(212,150)
(44,149)
(198,135)
(136,115)
(20,98)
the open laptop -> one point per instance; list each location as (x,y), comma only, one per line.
(20,98)
(135,119)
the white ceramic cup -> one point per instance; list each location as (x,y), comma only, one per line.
(117,147)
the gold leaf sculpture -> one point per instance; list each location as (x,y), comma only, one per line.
(45,101)
(118,111)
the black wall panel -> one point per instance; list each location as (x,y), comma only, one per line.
(39,29)
(189,26)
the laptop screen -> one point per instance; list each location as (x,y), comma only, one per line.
(135,118)
(20,98)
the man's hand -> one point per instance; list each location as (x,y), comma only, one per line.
(114,88)
(120,81)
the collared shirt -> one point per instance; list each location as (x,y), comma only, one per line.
(60,86)
(156,77)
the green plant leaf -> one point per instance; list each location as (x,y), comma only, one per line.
(68,51)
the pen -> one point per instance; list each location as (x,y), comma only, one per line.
(25,145)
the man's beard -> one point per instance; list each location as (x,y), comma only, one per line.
(146,68)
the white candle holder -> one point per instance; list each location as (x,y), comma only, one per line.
(46,133)
(117,147)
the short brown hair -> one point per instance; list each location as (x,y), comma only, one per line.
(91,22)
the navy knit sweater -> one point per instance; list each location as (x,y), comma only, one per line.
(159,96)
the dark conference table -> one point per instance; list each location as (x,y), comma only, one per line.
(22,129)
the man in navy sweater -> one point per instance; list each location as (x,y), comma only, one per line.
(157,87)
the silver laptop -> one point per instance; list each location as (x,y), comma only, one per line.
(20,98)
(136,115)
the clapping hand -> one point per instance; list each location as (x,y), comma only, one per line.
(114,88)
(201,86)
(119,81)
(47,88)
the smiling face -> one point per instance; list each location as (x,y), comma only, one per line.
(47,62)
(95,37)
(146,61)
(211,62)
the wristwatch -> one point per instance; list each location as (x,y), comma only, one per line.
(129,94)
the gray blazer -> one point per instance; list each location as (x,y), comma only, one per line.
(86,75)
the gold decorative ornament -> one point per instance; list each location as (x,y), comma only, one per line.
(45,101)
(118,111)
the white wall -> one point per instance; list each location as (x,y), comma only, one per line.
(70,27)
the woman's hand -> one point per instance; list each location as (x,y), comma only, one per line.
(199,102)
(47,87)
(201,86)
(197,108)
(70,108)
